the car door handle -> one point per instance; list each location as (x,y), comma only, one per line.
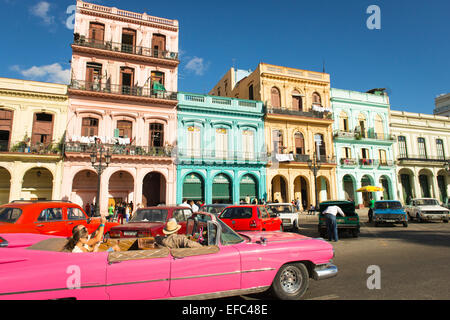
(39,225)
(69,222)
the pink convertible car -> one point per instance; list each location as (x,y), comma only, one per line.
(32,266)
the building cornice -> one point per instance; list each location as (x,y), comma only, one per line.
(34,95)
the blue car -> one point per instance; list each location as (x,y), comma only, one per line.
(389,211)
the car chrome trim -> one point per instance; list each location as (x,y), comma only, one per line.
(222,294)
(321,273)
(3,243)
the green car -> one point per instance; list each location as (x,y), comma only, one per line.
(349,223)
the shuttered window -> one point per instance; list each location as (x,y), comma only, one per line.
(156,135)
(299,143)
(193,141)
(248,144)
(275,98)
(96,32)
(89,127)
(221,143)
(42,128)
(125,128)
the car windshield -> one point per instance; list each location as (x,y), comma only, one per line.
(388,205)
(10,215)
(427,202)
(213,209)
(150,215)
(281,208)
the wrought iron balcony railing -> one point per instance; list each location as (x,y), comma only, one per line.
(27,148)
(120,149)
(425,158)
(124,48)
(217,155)
(350,162)
(105,87)
(309,114)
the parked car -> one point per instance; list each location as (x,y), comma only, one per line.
(149,222)
(427,209)
(250,218)
(389,211)
(34,267)
(287,213)
(349,223)
(46,217)
(216,208)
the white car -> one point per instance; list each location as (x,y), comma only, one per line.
(287,213)
(427,209)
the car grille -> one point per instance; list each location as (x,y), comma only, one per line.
(434,212)
(390,216)
(286,220)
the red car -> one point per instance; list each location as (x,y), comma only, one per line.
(46,217)
(149,222)
(250,218)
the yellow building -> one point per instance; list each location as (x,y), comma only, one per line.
(33,118)
(298,126)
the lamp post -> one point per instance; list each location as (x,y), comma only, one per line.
(447,166)
(104,159)
(314,165)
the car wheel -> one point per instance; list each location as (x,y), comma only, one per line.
(291,282)
(445,221)
(418,218)
(355,233)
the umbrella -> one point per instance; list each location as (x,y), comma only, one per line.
(370,189)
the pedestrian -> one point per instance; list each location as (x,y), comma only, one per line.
(87,209)
(110,213)
(127,212)
(297,204)
(185,204)
(92,210)
(194,207)
(247,199)
(371,206)
(311,210)
(330,215)
(120,213)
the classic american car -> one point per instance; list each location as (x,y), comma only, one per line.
(46,217)
(148,222)
(427,209)
(287,213)
(349,223)
(229,264)
(389,211)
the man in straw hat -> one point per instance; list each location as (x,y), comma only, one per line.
(174,240)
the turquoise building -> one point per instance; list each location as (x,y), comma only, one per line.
(221,149)
(363,144)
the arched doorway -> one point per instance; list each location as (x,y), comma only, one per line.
(385,182)
(442,186)
(193,187)
(348,184)
(120,188)
(406,178)
(248,186)
(425,177)
(153,189)
(37,184)
(5,185)
(366,196)
(84,188)
(221,189)
(279,189)
(301,190)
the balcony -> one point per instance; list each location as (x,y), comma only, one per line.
(386,163)
(120,149)
(373,135)
(308,114)
(197,156)
(299,158)
(116,49)
(26,149)
(366,163)
(107,90)
(348,162)
(423,158)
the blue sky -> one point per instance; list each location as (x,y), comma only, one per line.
(409,55)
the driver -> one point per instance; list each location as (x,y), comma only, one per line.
(173,240)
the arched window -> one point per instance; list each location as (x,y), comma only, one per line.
(321,150)
(316,99)
(402,148)
(343,122)
(275,98)
(299,143)
(361,128)
(297,103)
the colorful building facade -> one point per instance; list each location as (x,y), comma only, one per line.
(33,117)
(363,144)
(122,94)
(298,128)
(221,154)
(422,152)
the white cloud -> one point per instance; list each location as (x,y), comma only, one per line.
(41,10)
(49,73)
(197,65)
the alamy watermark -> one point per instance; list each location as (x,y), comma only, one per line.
(374,280)
(374,20)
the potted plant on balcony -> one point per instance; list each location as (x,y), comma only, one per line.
(23,145)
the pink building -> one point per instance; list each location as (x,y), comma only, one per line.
(123,92)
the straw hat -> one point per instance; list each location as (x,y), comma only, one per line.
(171,227)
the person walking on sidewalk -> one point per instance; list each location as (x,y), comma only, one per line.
(330,214)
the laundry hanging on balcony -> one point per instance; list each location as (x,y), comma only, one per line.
(158,87)
(284,157)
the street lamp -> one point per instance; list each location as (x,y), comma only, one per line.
(314,165)
(447,166)
(103,162)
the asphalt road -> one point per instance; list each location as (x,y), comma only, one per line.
(413,263)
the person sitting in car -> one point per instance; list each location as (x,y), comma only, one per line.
(173,240)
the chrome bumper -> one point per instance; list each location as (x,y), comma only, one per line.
(325,271)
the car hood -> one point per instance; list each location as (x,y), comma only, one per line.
(139,226)
(272,236)
(288,215)
(432,208)
(389,211)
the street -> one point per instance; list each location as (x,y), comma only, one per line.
(413,262)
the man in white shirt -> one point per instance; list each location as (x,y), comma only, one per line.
(194,207)
(185,204)
(330,214)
